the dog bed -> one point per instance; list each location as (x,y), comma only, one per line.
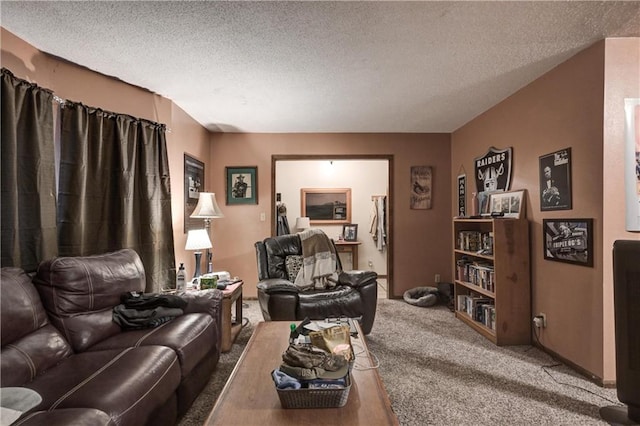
(421,296)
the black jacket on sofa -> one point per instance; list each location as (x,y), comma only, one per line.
(59,339)
(355,296)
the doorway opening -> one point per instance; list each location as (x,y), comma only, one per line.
(369,176)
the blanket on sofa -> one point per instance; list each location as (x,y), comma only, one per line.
(319,262)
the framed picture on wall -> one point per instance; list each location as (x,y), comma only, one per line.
(555,180)
(568,240)
(420,197)
(326,205)
(242,185)
(632,163)
(193,185)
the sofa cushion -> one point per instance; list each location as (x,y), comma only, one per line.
(129,385)
(30,345)
(341,301)
(79,293)
(21,310)
(293,265)
(190,336)
(66,417)
(24,359)
(277,251)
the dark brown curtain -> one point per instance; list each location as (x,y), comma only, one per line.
(114,189)
(28,174)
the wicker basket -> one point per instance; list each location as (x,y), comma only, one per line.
(315,398)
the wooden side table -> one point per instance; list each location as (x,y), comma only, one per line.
(349,247)
(230,329)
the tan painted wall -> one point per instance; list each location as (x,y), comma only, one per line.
(416,258)
(568,107)
(75,83)
(422,241)
(622,80)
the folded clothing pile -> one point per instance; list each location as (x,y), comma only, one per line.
(310,367)
(147,310)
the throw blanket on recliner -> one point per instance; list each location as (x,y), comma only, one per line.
(319,262)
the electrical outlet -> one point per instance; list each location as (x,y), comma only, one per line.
(544,319)
(540,320)
(437,278)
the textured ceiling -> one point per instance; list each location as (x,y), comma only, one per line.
(323,66)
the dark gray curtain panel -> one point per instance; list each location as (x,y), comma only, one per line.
(114,189)
(28,174)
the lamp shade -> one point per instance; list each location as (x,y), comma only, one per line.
(303,223)
(207,207)
(198,239)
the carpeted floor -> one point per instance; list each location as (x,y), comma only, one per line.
(438,371)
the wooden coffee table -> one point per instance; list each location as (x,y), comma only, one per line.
(250,396)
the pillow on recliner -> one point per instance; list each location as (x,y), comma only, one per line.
(293,264)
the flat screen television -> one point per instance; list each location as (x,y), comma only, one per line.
(626,295)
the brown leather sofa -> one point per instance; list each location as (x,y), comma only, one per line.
(59,339)
(355,296)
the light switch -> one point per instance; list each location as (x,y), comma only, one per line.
(263,217)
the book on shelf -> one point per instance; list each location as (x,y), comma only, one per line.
(479,273)
(476,241)
(480,309)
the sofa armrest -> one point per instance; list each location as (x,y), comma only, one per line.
(203,301)
(278,285)
(357,279)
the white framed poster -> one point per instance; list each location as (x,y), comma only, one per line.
(632,163)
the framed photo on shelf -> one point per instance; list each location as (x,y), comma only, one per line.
(510,203)
(568,240)
(350,232)
(242,185)
(483,202)
(326,205)
(555,180)
(193,185)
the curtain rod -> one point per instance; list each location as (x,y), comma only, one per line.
(62,101)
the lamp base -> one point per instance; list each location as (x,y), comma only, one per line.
(197,272)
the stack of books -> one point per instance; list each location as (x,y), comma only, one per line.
(480,309)
(476,241)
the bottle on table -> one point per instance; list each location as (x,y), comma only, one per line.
(181,279)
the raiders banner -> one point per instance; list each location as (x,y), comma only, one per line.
(493,170)
(462,195)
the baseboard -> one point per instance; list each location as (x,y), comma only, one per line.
(587,374)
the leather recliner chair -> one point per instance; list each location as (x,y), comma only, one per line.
(355,296)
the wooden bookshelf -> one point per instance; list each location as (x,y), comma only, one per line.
(492,283)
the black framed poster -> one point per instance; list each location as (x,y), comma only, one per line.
(555,180)
(193,186)
(568,240)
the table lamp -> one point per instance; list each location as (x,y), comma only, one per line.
(207,209)
(198,239)
(303,223)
